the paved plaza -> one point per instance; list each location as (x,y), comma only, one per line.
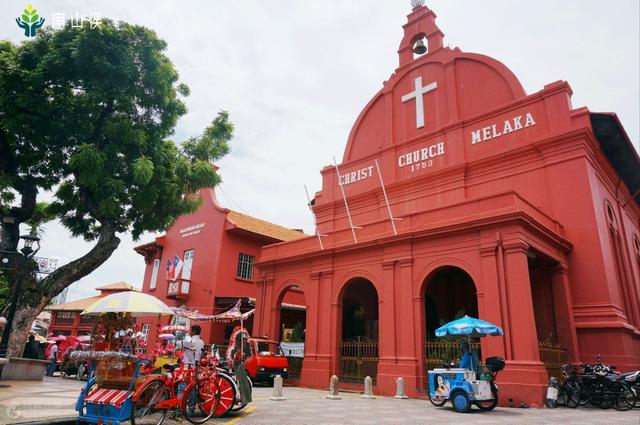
(54,398)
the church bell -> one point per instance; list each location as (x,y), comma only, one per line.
(419,48)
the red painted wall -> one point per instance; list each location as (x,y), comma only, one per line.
(216,246)
(501,177)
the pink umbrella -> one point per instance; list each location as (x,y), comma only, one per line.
(166,336)
(174,328)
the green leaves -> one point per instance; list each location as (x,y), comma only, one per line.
(214,142)
(90,111)
(142,170)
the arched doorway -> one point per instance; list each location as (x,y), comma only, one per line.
(449,294)
(359,329)
(292,327)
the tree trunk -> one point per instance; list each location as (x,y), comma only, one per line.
(35,296)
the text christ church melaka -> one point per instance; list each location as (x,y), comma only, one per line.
(514,208)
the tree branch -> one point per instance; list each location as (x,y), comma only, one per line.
(77,269)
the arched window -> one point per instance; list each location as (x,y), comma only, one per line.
(636,249)
(617,252)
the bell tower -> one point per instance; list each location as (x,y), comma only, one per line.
(421,25)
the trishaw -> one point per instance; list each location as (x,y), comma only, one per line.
(114,376)
(107,396)
(464,387)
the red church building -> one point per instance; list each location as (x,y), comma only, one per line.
(459,193)
(218,248)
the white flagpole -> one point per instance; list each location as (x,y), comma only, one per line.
(315,223)
(344,198)
(386,200)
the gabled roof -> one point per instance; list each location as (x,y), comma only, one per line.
(117,286)
(78,305)
(263,228)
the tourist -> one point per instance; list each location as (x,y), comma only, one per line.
(192,346)
(53,358)
(469,359)
(32,349)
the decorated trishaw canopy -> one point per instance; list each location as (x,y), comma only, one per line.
(227,316)
(469,326)
(135,303)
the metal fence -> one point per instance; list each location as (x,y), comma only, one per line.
(553,355)
(358,359)
(443,351)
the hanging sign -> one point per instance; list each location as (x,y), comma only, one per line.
(293,349)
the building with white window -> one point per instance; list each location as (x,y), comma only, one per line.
(205,262)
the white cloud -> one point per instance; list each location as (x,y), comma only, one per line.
(294,76)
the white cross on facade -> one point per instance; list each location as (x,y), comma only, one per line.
(417,95)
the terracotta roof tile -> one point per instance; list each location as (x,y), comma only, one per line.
(261,227)
(117,286)
(78,305)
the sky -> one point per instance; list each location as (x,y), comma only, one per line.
(294,76)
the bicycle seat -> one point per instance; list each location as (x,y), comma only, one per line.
(170,366)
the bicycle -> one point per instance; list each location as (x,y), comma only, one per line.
(160,394)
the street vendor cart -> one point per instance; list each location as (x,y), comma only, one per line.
(466,386)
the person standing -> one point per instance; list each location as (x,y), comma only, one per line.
(469,359)
(192,346)
(53,358)
(32,349)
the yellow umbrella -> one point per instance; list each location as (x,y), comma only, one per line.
(136,303)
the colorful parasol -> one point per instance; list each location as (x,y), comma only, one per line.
(133,302)
(174,328)
(166,336)
(471,327)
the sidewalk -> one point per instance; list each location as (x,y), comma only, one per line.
(309,407)
(26,401)
(54,398)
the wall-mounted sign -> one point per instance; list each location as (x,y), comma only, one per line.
(293,349)
(496,130)
(355,176)
(46,265)
(421,158)
(191,230)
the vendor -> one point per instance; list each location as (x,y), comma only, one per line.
(469,359)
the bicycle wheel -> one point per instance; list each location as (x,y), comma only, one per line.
(143,408)
(227,396)
(200,400)
(624,397)
(239,406)
(570,394)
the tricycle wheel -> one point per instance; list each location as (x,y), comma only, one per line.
(489,404)
(242,404)
(460,401)
(143,407)
(437,400)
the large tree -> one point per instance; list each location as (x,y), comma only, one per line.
(85,115)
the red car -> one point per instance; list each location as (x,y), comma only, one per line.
(266,361)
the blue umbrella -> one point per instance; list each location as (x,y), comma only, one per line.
(471,327)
